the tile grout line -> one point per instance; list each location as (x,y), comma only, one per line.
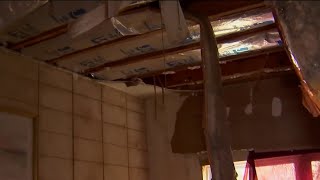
(92,162)
(37,130)
(126,98)
(72,133)
(102,125)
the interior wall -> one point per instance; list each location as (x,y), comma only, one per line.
(265,115)
(160,129)
(85,130)
(268,115)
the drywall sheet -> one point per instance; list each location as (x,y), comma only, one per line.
(16,145)
(46,17)
(10,11)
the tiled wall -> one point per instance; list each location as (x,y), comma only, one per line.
(86,131)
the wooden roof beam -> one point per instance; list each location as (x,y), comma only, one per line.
(156,54)
(64,28)
(224,60)
(252,64)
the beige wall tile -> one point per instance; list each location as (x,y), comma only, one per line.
(55,145)
(87,107)
(18,107)
(115,134)
(114,114)
(138,174)
(87,150)
(55,169)
(55,98)
(88,128)
(87,87)
(55,121)
(138,158)
(88,171)
(135,104)
(137,139)
(55,77)
(115,172)
(18,66)
(115,155)
(136,121)
(113,96)
(20,89)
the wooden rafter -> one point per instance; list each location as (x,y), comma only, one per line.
(222,8)
(232,8)
(157,54)
(251,64)
(39,38)
(240,57)
(104,45)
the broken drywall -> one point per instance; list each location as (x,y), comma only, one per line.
(265,116)
(160,128)
(188,134)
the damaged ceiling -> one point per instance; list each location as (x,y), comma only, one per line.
(92,39)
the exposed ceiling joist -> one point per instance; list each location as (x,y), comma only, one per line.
(157,54)
(63,29)
(251,64)
(222,8)
(39,38)
(240,57)
(105,45)
(253,76)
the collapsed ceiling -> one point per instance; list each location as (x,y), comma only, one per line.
(134,44)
